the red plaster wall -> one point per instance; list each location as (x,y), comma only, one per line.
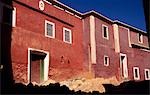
(105,47)
(135,57)
(134,36)
(29,33)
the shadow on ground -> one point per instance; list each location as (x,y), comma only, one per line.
(130,87)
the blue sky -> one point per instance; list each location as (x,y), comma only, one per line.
(127,11)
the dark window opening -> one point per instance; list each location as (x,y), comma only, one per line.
(49,29)
(67,36)
(147,76)
(136,73)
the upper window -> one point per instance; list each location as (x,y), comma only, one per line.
(136,73)
(147,74)
(140,38)
(49,29)
(106,60)
(67,35)
(105,31)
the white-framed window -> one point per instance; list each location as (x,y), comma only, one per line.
(147,74)
(136,73)
(140,38)
(14,17)
(49,29)
(105,33)
(67,35)
(106,60)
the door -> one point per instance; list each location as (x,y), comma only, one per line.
(37,67)
(123,65)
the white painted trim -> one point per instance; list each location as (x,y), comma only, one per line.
(70,32)
(92,40)
(140,37)
(129,26)
(14,13)
(68,7)
(125,65)
(98,15)
(145,50)
(78,17)
(53,24)
(64,6)
(69,12)
(58,7)
(138,73)
(146,74)
(46,63)
(116,38)
(107,31)
(129,38)
(107,60)
(47,2)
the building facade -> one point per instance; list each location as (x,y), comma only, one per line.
(53,41)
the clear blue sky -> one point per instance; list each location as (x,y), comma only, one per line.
(127,11)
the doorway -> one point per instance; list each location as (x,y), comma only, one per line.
(123,65)
(38,64)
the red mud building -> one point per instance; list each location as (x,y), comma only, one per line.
(53,41)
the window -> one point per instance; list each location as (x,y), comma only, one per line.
(105,31)
(106,60)
(49,29)
(67,36)
(147,74)
(140,38)
(14,17)
(136,73)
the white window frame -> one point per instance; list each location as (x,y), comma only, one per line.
(140,37)
(124,70)
(66,29)
(14,17)
(138,73)
(107,31)
(53,26)
(107,60)
(148,74)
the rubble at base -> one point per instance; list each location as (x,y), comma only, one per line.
(86,85)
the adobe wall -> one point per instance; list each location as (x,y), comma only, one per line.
(29,33)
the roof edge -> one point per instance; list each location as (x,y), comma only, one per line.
(93,12)
(129,26)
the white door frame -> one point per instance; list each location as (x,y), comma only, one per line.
(124,70)
(46,63)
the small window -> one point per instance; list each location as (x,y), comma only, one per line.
(106,60)
(136,73)
(14,17)
(67,35)
(105,31)
(147,74)
(140,38)
(49,29)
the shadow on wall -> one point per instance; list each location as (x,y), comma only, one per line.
(5,30)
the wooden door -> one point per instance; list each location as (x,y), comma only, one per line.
(37,68)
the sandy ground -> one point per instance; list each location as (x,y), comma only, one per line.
(84,84)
